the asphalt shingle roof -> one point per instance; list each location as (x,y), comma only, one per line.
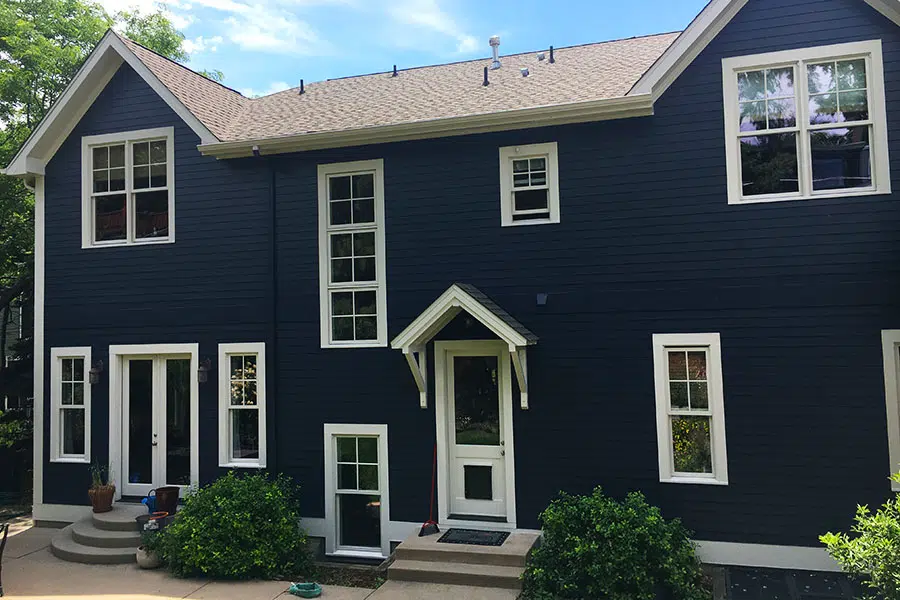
(579,74)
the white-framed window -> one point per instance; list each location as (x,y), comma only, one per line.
(807,123)
(242,405)
(357,509)
(690,408)
(70,402)
(352,278)
(529,184)
(128,188)
(890,344)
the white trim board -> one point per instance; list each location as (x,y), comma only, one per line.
(890,347)
(39,357)
(100,66)
(702,30)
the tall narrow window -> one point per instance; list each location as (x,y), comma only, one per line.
(806,123)
(529,184)
(128,188)
(351,254)
(242,402)
(356,507)
(70,398)
(690,408)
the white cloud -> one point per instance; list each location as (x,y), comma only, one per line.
(201,44)
(271,29)
(274,87)
(428,15)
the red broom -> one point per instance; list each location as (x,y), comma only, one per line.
(431,527)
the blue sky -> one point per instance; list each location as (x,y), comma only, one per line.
(266,45)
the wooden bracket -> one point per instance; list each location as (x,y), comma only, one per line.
(521,367)
(417,360)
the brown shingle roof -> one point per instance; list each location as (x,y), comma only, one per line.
(580,73)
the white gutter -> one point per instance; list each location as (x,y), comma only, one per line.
(639,105)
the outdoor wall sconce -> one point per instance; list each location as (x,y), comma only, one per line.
(94,373)
(203,371)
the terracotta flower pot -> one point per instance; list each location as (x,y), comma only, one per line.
(102,498)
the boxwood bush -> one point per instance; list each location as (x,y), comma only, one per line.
(596,547)
(238,527)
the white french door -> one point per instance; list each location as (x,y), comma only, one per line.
(475,431)
(156,422)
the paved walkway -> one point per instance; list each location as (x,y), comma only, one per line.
(31,572)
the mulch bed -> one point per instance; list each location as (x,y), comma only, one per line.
(349,575)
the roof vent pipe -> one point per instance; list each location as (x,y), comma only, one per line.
(486,82)
(553,60)
(495,47)
(302,91)
(395,71)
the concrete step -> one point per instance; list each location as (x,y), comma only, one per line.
(63,546)
(120,518)
(87,533)
(456,574)
(513,553)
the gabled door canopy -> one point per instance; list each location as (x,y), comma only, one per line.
(459,297)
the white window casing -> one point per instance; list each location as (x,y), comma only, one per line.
(242,400)
(529,184)
(809,105)
(70,404)
(690,409)
(334,490)
(352,273)
(134,170)
(890,342)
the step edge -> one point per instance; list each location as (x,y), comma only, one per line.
(454,567)
(429,555)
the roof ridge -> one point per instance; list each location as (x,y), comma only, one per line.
(475,60)
(175,62)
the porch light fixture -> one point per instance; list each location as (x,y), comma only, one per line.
(203,371)
(94,373)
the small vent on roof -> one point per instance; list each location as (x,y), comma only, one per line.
(553,60)
(541,56)
(524,71)
(302,90)
(495,48)
(395,71)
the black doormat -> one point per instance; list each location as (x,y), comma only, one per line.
(473,537)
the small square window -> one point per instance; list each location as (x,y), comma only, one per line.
(529,184)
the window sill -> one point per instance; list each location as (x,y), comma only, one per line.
(242,465)
(530,222)
(695,480)
(359,553)
(355,345)
(75,460)
(849,193)
(125,244)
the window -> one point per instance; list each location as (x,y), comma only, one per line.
(351,255)
(128,188)
(356,488)
(70,399)
(242,405)
(806,123)
(690,412)
(529,185)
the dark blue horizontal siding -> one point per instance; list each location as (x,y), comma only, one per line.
(647,244)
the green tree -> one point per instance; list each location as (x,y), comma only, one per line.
(153,31)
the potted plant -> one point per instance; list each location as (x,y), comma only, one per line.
(102,490)
(146,555)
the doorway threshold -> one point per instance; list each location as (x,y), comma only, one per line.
(480,518)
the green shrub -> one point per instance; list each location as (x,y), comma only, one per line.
(873,553)
(596,547)
(237,528)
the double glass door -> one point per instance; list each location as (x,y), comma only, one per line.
(156,435)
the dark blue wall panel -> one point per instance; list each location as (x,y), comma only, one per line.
(647,244)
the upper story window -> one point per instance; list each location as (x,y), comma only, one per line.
(128,188)
(352,288)
(806,123)
(690,411)
(529,184)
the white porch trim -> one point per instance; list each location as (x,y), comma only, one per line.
(413,339)
(116,354)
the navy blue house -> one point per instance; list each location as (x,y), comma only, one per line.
(667,264)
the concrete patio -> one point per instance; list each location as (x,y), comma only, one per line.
(31,572)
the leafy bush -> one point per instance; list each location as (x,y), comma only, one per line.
(237,528)
(873,553)
(596,547)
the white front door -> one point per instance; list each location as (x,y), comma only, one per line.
(475,397)
(156,422)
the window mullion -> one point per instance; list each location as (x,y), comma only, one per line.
(804,152)
(129,195)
